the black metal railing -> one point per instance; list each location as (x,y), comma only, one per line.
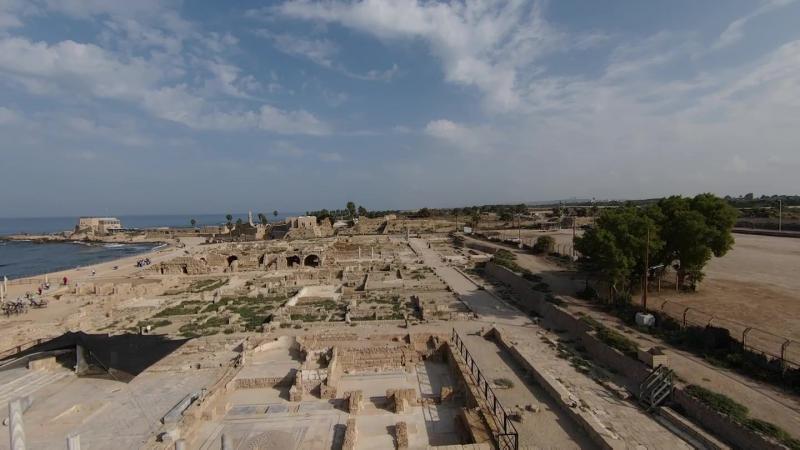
(508,437)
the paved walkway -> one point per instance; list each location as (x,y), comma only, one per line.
(764,401)
(600,403)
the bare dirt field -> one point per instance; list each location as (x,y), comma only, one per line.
(757,284)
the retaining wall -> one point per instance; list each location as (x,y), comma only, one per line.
(633,370)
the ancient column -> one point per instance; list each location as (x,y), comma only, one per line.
(16,429)
(81,366)
(74,442)
(226,442)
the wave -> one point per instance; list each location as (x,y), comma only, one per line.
(115,245)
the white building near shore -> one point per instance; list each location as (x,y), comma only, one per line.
(98,225)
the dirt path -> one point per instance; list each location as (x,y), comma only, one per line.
(764,401)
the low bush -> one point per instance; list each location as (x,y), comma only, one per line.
(618,341)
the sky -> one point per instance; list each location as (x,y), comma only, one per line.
(202,106)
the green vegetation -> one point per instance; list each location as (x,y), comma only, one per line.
(206,285)
(184,308)
(714,344)
(675,230)
(739,414)
(618,341)
(718,402)
(253,311)
(153,324)
(544,245)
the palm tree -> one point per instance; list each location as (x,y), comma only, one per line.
(262,218)
(193,222)
(275,213)
(229,217)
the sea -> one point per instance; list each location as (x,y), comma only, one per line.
(19,259)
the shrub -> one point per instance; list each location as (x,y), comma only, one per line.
(718,402)
(618,341)
(544,245)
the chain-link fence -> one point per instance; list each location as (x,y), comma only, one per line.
(753,339)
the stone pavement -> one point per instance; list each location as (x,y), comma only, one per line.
(620,421)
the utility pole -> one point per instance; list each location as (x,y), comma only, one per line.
(780,214)
(573,238)
(519,230)
(646,269)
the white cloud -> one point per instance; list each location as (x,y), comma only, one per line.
(323,52)
(319,51)
(461,137)
(734,32)
(480,44)
(68,67)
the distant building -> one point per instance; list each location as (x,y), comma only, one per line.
(98,225)
(302,222)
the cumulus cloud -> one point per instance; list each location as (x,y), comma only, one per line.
(67,67)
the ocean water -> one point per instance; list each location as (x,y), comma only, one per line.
(23,259)
(20,259)
(58,224)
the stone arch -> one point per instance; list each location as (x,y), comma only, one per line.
(312,260)
(231,259)
(293,260)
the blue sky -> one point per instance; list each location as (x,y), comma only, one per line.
(206,106)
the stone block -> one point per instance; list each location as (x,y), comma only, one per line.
(355,401)
(350,435)
(401,432)
(295,394)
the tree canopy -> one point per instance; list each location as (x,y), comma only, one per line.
(683,232)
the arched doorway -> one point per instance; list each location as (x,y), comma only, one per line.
(292,261)
(231,259)
(312,261)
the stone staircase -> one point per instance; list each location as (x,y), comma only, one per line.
(27,382)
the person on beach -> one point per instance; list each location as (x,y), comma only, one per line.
(65,281)
(93,272)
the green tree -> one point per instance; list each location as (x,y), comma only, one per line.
(275,213)
(615,247)
(475,219)
(424,212)
(193,222)
(693,231)
(229,218)
(544,244)
(351,209)
(362,211)
(506,215)
(263,219)
(239,221)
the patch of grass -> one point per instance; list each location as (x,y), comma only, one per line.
(206,285)
(618,341)
(592,322)
(153,324)
(739,414)
(719,402)
(185,308)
